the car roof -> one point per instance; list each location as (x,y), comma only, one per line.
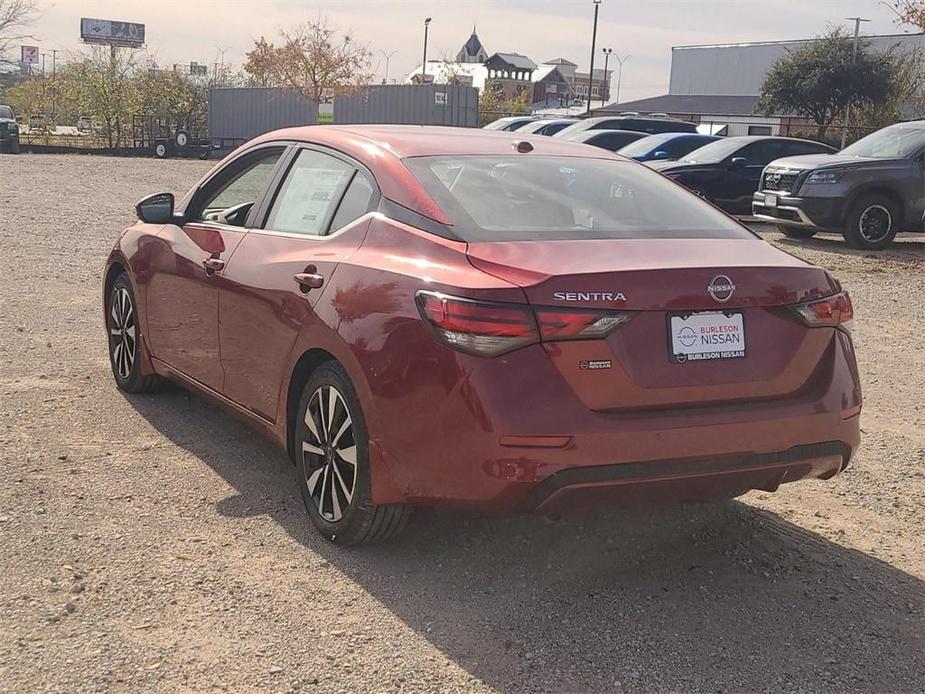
(402,141)
(381,148)
(589,134)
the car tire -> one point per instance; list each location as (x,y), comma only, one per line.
(126,346)
(332,463)
(14,145)
(796,232)
(872,222)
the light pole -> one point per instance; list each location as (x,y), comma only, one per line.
(854,56)
(597,6)
(604,80)
(424,64)
(620,75)
(388,57)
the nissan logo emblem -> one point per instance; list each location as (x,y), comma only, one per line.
(721,288)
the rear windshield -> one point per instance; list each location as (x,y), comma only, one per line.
(521,198)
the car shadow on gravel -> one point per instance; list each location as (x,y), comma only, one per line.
(720,597)
(907,248)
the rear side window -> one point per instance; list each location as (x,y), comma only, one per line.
(355,203)
(521,198)
(309,194)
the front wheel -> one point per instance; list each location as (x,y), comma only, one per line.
(872,223)
(332,458)
(126,348)
(796,232)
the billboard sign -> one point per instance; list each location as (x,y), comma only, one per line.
(111,33)
(30,55)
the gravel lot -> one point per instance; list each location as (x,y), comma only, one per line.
(154,543)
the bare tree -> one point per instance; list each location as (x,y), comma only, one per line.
(312,59)
(15,18)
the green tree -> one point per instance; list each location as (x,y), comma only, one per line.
(818,80)
(493,104)
(312,59)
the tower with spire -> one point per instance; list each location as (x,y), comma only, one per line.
(472,50)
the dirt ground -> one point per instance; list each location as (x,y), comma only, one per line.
(155,544)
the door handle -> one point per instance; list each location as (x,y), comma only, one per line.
(309,279)
(213,265)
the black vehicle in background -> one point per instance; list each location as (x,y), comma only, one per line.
(510,123)
(868,191)
(546,126)
(611,140)
(727,172)
(9,130)
(643,124)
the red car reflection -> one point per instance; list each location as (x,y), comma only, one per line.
(431,316)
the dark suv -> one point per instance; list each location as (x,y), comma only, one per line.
(868,191)
(9,130)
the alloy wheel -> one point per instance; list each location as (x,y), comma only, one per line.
(329,453)
(875,223)
(122,333)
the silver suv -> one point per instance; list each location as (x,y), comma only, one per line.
(868,191)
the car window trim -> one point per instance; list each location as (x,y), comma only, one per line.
(203,188)
(263,214)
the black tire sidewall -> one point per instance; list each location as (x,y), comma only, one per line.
(353,522)
(852,225)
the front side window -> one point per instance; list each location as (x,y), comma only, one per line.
(309,194)
(232,192)
(520,198)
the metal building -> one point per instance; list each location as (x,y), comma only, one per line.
(739,69)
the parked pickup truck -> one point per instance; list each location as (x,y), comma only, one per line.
(868,191)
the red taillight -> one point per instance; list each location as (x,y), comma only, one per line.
(565,324)
(833,311)
(477,327)
(488,329)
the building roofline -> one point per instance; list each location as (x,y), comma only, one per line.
(769,43)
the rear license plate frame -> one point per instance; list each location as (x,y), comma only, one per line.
(734,316)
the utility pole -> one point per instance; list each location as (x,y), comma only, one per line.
(620,61)
(54,83)
(605,80)
(388,57)
(597,6)
(854,56)
(424,64)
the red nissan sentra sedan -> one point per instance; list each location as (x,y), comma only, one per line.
(426,316)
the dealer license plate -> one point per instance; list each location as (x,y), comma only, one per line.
(770,200)
(707,335)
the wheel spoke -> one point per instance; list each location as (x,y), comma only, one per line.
(333,397)
(130,331)
(335,502)
(348,492)
(117,355)
(115,314)
(324,485)
(310,448)
(312,480)
(340,432)
(348,455)
(311,423)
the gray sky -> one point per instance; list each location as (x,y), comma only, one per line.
(195,30)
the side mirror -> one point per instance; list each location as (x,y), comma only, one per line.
(156,209)
(661,154)
(738,163)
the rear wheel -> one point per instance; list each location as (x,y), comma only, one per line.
(332,457)
(872,222)
(126,349)
(796,232)
(160,150)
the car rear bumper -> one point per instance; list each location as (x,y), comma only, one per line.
(546,450)
(821,213)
